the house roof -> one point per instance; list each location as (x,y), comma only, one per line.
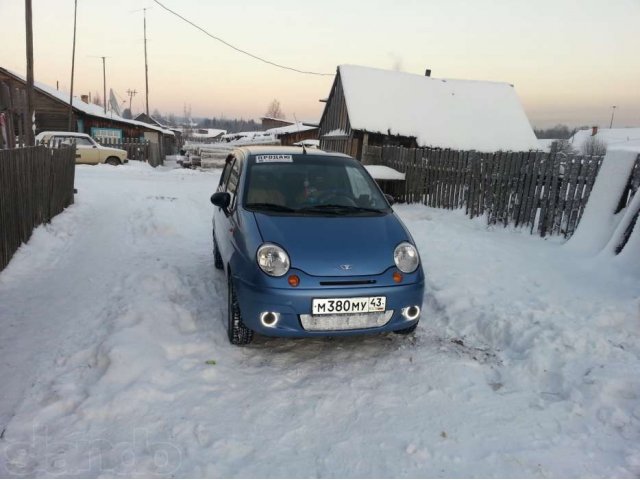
(87,108)
(609,136)
(447,113)
(294,128)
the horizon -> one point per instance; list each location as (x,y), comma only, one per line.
(569,67)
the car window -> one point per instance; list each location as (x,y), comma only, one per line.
(224,178)
(232,184)
(85,142)
(312,186)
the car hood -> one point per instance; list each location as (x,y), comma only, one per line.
(323,245)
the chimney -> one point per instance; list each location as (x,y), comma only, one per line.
(594,131)
(427,72)
(84,98)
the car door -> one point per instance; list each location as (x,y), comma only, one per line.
(225,224)
(88,151)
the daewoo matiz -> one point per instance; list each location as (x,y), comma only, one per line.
(311,247)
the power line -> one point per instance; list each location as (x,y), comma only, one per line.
(239,49)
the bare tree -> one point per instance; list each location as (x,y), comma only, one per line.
(274,110)
(96,100)
(561,146)
(594,146)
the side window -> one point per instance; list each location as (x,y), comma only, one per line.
(232,184)
(224,178)
(83,141)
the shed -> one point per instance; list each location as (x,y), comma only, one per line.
(370,106)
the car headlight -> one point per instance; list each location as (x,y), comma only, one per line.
(406,257)
(273,260)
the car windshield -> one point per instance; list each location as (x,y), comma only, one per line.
(306,185)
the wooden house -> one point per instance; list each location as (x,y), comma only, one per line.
(51,108)
(369,106)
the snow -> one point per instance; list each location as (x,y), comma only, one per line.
(598,221)
(115,360)
(296,127)
(609,136)
(382,172)
(544,144)
(448,113)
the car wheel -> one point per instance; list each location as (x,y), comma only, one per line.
(238,332)
(217,259)
(113,161)
(407,331)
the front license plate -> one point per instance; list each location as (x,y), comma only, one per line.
(332,306)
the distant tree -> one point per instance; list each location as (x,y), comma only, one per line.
(274,110)
(126,113)
(594,146)
(559,131)
(171,120)
(96,100)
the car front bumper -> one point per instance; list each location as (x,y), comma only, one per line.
(291,303)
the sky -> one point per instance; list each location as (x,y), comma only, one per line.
(570,61)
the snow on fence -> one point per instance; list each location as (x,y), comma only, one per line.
(36,183)
(545,192)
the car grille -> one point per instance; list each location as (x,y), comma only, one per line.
(345,322)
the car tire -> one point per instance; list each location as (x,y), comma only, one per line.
(407,331)
(115,161)
(239,333)
(217,259)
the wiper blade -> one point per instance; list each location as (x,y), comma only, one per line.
(274,207)
(338,208)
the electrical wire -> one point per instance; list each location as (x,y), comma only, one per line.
(239,49)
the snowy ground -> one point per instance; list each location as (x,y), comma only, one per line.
(525,363)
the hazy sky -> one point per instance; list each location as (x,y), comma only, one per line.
(570,61)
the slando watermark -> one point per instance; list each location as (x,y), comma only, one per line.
(43,455)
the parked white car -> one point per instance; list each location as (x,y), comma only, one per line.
(87,149)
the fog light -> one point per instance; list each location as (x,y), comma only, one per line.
(411,313)
(269,319)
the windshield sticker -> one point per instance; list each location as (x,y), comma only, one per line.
(273,158)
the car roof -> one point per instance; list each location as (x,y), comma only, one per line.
(280,150)
(66,134)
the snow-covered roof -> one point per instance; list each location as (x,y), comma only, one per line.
(609,136)
(544,144)
(296,127)
(382,172)
(207,132)
(88,108)
(458,114)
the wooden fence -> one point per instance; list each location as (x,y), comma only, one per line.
(137,149)
(543,192)
(36,183)
(14,116)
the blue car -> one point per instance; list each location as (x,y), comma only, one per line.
(311,247)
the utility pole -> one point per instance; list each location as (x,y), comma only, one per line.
(131,93)
(29,30)
(104,85)
(146,66)
(73,64)
(613,111)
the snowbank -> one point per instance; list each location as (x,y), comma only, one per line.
(382,172)
(600,228)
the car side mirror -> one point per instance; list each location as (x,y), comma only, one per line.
(222,200)
(390,199)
